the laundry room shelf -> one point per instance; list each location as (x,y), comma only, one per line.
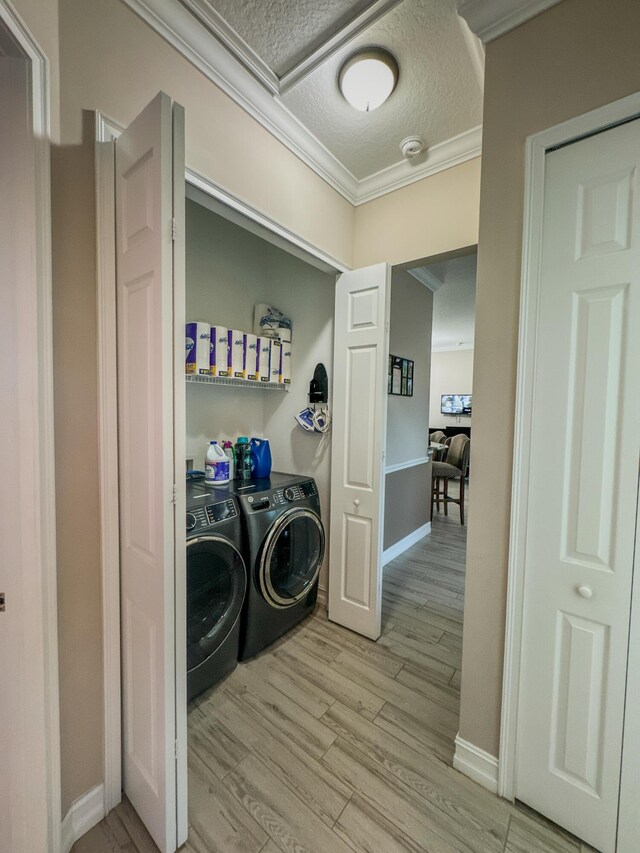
(238,383)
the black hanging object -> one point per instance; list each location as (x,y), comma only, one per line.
(319,385)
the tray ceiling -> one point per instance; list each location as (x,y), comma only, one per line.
(438,96)
(294,48)
(284,32)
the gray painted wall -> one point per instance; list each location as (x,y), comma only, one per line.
(407,503)
(228,271)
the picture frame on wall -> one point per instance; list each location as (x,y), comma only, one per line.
(400,382)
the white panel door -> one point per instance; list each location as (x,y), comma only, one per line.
(360,366)
(149,529)
(583,486)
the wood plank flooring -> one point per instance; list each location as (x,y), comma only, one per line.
(330,743)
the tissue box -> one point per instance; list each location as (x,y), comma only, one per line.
(285,363)
(275,357)
(197,349)
(250,357)
(264,350)
(236,354)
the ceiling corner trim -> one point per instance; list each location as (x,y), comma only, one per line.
(489,19)
(427,278)
(216,24)
(439,157)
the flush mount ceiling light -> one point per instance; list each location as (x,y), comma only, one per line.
(368,78)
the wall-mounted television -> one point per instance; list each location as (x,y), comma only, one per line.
(455,404)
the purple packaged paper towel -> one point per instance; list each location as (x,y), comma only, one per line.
(197,348)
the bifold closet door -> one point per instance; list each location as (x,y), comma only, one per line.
(583,487)
(152,651)
(361,356)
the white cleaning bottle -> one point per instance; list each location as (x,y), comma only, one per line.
(216,466)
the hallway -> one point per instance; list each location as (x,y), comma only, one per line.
(330,743)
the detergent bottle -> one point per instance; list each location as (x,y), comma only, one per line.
(260,458)
(243,458)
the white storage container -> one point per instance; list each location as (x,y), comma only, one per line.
(250,357)
(275,357)
(220,351)
(264,351)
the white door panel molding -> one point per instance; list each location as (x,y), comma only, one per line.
(572,548)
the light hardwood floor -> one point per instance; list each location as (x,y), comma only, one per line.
(330,743)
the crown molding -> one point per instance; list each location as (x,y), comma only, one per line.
(176,24)
(442,156)
(427,278)
(475,49)
(216,24)
(489,19)
(345,35)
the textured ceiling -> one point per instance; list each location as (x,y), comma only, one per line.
(437,96)
(283,32)
(454,304)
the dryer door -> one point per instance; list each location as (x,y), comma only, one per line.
(216,585)
(291,557)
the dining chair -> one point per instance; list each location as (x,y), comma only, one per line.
(453,468)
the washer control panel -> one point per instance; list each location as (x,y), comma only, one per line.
(283,497)
(206,516)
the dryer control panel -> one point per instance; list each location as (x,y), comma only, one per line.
(283,497)
(206,516)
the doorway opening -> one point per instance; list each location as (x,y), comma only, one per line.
(432,324)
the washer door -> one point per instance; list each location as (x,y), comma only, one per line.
(216,586)
(291,557)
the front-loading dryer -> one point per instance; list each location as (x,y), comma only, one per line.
(216,585)
(284,548)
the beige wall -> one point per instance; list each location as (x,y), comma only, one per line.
(451,373)
(575,57)
(438,214)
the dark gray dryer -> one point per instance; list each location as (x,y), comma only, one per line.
(284,548)
(216,585)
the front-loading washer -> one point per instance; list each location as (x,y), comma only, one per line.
(284,543)
(216,585)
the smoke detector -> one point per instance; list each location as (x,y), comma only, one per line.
(411,147)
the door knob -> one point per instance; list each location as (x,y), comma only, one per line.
(585,591)
(356,502)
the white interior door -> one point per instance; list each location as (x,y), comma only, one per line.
(583,487)
(152,650)
(361,355)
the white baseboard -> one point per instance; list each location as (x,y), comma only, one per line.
(476,764)
(403,544)
(322,596)
(83,815)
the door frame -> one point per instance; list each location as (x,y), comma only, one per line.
(106,132)
(42,655)
(537,146)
